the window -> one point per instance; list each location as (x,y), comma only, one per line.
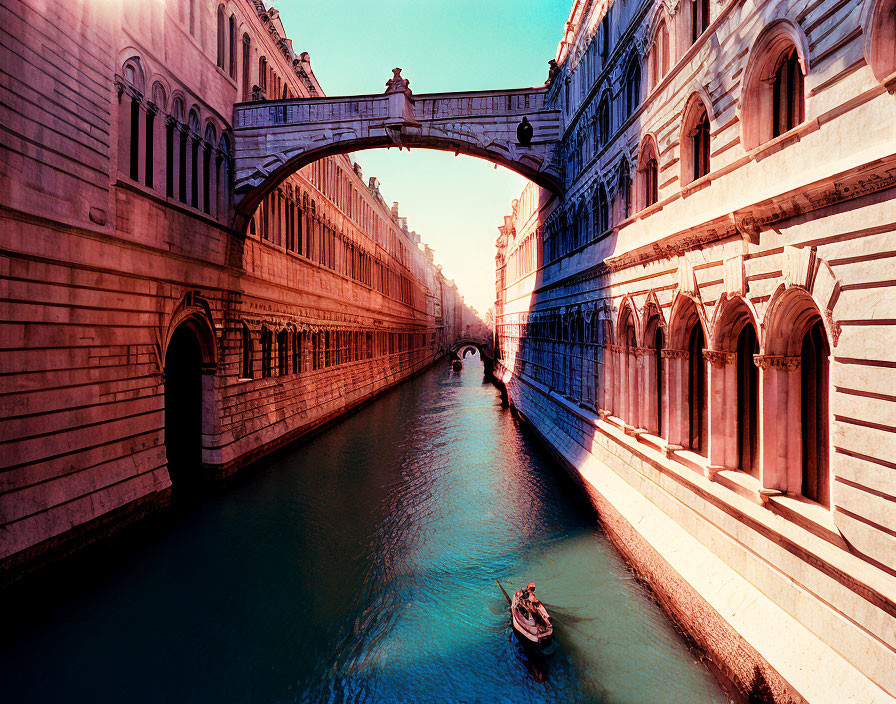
(603,122)
(787,95)
(747,400)
(699,18)
(231,44)
(659,55)
(814,414)
(695,141)
(247,79)
(773,99)
(297,340)
(194,158)
(632,86)
(266,344)
(132,102)
(601,216)
(247,353)
(220,53)
(605,37)
(697,391)
(282,353)
(649,173)
(207,146)
(263,74)
(625,191)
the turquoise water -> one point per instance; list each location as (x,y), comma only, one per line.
(359,567)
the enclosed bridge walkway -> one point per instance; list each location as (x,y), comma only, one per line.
(276,138)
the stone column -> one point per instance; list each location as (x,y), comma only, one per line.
(780,441)
(676,397)
(722,411)
(159,151)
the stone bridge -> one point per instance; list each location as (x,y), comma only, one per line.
(484,344)
(275,138)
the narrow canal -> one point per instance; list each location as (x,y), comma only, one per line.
(359,568)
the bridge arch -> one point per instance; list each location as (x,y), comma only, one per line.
(274,139)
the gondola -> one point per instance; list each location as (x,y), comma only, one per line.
(531,625)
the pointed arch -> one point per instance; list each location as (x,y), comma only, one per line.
(648,172)
(695,140)
(767,106)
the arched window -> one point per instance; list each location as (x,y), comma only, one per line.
(152,127)
(654,341)
(267,340)
(699,18)
(263,74)
(624,194)
(695,141)
(173,142)
(603,122)
(221,39)
(282,353)
(814,414)
(247,79)
(627,382)
(601,208)
(747,400)
(632,86)
(649,173)
(208,145)
(247,353)
(297,340)
(787,94)
(222,180)
(659,55)
(132,117)
(773,99)
(605,37)
(697,436)
(231,45)
(194,157)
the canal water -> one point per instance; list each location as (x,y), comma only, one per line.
(360,567)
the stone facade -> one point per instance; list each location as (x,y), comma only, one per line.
(144,338)
(703,327)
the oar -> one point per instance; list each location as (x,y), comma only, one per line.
(502,591)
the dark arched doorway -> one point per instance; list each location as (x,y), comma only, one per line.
(183,407)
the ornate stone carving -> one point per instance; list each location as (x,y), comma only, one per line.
(765,361)
(668,353)
(719,358)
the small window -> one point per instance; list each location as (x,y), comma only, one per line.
(220,54)
(633,87)
(266,345)
(247,352)
(699,18)
(787,95)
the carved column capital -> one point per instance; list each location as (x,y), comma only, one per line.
(767,361)
(667,353)
(718,358)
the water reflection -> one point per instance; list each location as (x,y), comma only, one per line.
(361,568)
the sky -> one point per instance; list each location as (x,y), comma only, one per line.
(455,203)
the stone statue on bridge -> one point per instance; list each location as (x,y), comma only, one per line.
(397,84)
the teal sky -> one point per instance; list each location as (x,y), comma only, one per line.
(455,203)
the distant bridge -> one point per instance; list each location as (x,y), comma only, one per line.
(483,343)
(273,139)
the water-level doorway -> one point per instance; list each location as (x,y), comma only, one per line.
(183,407)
